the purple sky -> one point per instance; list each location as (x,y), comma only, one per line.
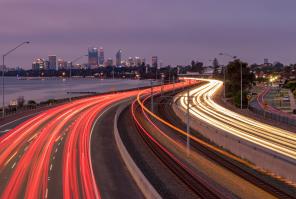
(175,30)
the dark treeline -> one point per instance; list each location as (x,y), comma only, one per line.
(140,72)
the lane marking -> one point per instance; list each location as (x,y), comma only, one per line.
(26,148)
(91,132)
(46,192)
(5,131)
(10,158)
(32,137)
(20,119)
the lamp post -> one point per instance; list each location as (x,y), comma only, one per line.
(3,64)
(241,77)
(70,76)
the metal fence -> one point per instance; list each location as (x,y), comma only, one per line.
(273,116)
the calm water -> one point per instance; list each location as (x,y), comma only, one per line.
(41,90)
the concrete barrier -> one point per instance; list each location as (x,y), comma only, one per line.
(263,158)
(140,179)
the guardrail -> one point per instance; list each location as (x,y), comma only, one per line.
(140,179)
(273,116)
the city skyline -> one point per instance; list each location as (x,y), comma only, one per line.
(195,30)
(95,57)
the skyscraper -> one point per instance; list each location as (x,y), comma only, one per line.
(38,64)
(118,57)
(101,57)
(138,61)
(52,62)
(131,62)
(109,62)
(62,64)
(93,56)
(266,61)
(155,61)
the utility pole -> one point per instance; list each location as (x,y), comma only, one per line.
(3,71)
(3,92)
(70,78)
(188,124)
(241,71)
(162,82)
(113,72)
(169,74)
(225,67)
(151,83)
(174,83)
(241,77)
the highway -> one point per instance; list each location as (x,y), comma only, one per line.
(208,170)
(49,154)
(203,107)
(69,152)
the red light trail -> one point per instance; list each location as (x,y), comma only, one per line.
(29,152)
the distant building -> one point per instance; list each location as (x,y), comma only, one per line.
(46,65)
(155,61)
(101,57)
(266,62)
(52,62)
(131,62)
(160,64)
(93,57)
(143,61)
(118,58)
(109,62)
(138,61)
(3,67)
(69,64)
(38,64)
(62,64)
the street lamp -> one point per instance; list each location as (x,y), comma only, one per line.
(70,76)
(3,59)
(241,74)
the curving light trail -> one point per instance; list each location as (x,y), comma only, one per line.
(204,108)
(56,140)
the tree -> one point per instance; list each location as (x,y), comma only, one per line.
(192,64)
(20,101)
(233,79)
(197,67)
(216,68)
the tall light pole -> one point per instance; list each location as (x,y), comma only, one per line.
(70,76)
(241,77)
(241,72)
(188,125)
(3,64)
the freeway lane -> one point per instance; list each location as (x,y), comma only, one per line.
(204,108)
(236,176)
(48,156)
(27,152)
(110,171)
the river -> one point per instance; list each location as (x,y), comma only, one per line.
(56,88)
